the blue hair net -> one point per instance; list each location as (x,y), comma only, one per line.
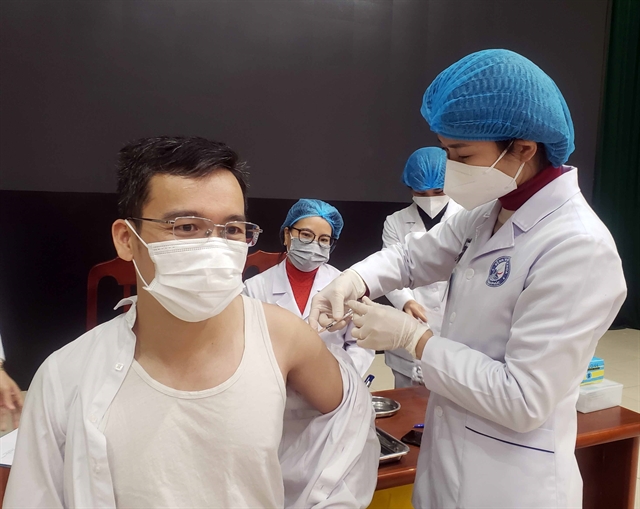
(314,208)
(425,169)
(497,94)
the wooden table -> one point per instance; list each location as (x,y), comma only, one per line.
(606,449)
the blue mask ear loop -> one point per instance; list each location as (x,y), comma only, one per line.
(135,265)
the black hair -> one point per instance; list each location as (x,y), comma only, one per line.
(191,157)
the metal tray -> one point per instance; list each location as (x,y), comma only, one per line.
(391,449)
(385,407)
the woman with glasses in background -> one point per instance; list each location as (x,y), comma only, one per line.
(309,234)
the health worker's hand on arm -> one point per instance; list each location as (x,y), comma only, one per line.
(329,303)
(10,399)
(385,328)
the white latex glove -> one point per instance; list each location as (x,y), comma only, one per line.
(329,303)
(381,327)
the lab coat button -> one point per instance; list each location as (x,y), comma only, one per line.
(439,411)
(469,273)
(93,418)
(452,318)
(437,308)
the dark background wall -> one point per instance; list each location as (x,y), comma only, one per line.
(320,97)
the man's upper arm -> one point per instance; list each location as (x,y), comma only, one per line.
(36,478)
(309,367)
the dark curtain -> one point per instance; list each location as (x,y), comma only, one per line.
(616,194)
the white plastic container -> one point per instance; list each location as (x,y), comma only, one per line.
(605,394)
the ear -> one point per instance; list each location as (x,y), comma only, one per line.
(524,150)
(287,238)
(122,239)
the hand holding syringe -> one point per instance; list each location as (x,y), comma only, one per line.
(347,315)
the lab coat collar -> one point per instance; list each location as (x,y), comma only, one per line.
(281,281)
(540,205)
(414,219)
(282,289)
(131,315)
(550,198)
(487,242)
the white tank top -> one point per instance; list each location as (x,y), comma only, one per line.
(211,448)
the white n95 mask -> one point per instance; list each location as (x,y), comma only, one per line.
(195,279)
(432,205)
(307,257)
(472,186)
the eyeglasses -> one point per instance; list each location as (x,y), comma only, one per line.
(307,236)
(190,228)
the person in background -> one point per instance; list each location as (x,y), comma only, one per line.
(10,395)
(180,401)
(309,234)
(424,176)
(535,280)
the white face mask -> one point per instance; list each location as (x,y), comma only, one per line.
(195,279)
(472,186)
(307,257)
(432,205)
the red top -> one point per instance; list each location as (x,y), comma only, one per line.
(516,198)
(301,283)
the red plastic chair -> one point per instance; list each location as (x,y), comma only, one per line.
(262,260)
(123,272)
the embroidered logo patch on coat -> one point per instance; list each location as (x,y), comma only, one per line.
(499,271)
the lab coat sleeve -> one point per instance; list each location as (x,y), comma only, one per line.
(36,479)
(361,357)
(2,357)
(571,295)
(391,237)
(422,259)
(331,460)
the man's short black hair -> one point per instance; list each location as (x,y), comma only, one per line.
(191,157)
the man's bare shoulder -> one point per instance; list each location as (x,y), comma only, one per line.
(284,326)
(304,359)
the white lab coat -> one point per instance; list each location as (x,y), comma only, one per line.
(525,310)
(2,357)
(61,455)
(396,227)
(273,286)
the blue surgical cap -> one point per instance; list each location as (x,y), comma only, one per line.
(314,208)
(495,95)
(425,169)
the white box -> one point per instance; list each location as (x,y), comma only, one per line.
(605,394)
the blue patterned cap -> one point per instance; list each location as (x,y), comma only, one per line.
(497,94)
(425,169)
(314,208)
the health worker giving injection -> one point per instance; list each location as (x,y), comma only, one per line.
(533,281)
